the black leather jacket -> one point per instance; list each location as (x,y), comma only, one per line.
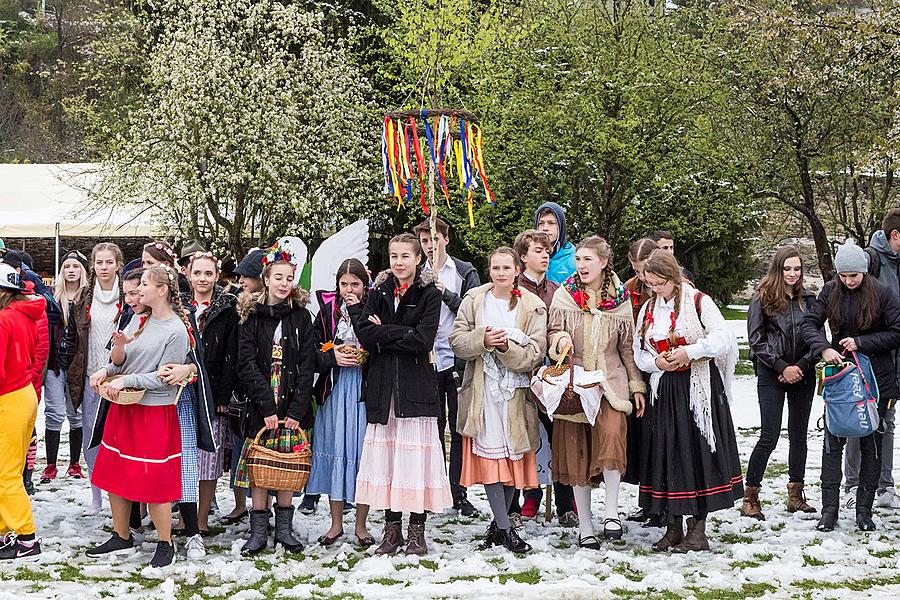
(775,340)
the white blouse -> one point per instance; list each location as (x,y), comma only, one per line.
(717,341)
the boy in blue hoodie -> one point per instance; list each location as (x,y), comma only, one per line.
(550,218)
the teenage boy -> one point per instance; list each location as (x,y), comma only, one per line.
(666,242)
(884,265)
(454,278)
(550,218)
(533,248)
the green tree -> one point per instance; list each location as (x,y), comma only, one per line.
(251,125)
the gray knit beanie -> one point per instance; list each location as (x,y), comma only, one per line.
(850,258)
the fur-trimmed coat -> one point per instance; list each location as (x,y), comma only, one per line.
(467,341)
(254,368)
(601,342)
(399,364)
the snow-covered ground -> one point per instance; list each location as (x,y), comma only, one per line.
(783,557)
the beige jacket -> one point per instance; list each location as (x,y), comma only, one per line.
(467,341)
(604,345)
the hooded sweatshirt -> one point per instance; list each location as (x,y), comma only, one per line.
(19,324)
(562,256)
(889,273)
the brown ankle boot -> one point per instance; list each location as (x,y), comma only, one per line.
(393,538)
(797,499)
(695,538)
(674,534)
(416,536)
(751,507)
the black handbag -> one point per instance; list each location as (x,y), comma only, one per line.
(238,408)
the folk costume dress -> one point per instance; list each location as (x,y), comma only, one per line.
(499,425)
(276,364)
(690,464)
(139,457)
(341,422)
(402,467)
(601,333)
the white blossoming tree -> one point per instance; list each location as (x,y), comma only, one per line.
(254,125)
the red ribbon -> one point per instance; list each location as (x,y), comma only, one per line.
(399,291)
(420,162)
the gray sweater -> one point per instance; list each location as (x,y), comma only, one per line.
(160,342)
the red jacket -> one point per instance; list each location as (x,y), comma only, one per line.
(22,356)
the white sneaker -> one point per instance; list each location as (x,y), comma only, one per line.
(850,498)
(889,499)
(195,547)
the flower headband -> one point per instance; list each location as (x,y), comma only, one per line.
(165,249)
(279,253)
(209,255)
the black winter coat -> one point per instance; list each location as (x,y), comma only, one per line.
(879,342)
(399,364)
(298,364)
(219,337)
(775,340)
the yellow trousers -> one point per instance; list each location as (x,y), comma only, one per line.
(18,410)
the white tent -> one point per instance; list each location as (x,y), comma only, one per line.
(52,201)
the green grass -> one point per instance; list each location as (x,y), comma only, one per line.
(650,594)
(387,581)
(748,590)
(884,553)
(810,561)
(734,538)
(776,469)
(531,576)
(855,585)
(764,557)
(734,314)
(744,367)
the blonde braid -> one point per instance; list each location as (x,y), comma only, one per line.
(514,299)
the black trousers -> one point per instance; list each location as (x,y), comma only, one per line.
(869,470)
(772,394)
(563,495)
(449,401)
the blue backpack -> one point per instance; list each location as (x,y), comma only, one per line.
(851,397)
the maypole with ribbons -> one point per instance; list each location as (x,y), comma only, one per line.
(454,148)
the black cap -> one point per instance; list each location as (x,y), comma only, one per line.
(251,265)
(74,254)
(14,258)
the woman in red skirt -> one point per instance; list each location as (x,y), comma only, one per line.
(140,455)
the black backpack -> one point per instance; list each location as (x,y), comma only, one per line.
(874,261)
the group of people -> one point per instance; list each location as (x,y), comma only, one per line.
(373,370)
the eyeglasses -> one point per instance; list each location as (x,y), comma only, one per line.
(657,285)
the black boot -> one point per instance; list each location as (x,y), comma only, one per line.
(831,498)
(512,542)
(865,497)
(284,529)
(492,537)
(259,533)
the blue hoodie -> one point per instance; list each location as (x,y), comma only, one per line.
(562,257)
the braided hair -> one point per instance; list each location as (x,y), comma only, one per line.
(92,278)
(514,298)
(638,252)
(664,265)
(168,277)
(602,249)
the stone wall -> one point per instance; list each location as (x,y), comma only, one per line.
(42,250)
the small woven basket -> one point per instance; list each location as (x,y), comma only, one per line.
(280,471)
(360,354)
(126,396)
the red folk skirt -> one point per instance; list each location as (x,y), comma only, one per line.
(140,455)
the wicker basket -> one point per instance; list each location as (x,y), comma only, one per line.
(355,351)
(280,471)
(126,396)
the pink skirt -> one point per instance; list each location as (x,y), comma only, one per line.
(402,467)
